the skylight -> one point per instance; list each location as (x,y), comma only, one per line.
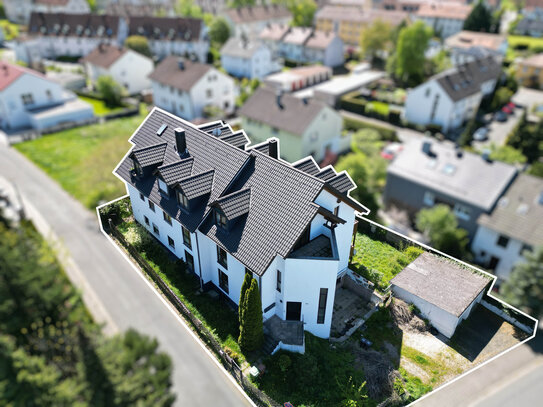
(449,169)
(162,129)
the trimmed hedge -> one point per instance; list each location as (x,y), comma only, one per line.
(354,124)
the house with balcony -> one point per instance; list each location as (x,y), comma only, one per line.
(127,67)
(451,98)
(29,100)
(427,173)
(185,88)
(226,209)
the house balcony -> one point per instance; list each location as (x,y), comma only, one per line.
(321,247)
(287,335)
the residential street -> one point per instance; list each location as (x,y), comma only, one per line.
(114,291)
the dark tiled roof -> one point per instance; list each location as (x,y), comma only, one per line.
(173,173)
(264,148)
(197,185)
(250,14)
(294,116)
(169,73)
(326,174)
(235,204)
(104,55)
(281,197)
(150,155)
(82,25)
(166,28)
(466,80)
(238,139)
(342,183)
(307,165)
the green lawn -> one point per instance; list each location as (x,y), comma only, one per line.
(379,262)
(520,40)
(81,160)
(381,108)
(100,108)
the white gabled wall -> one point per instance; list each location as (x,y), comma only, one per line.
(132,70)
(222,89)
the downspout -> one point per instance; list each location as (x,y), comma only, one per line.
(199,262)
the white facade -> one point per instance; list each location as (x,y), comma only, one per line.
(505,253)
(19,11)
(29,93)
(213,88)
(131,70)
(445,27)
(254,28)
(164,47)
(301,278)
(257,65)
(332,55)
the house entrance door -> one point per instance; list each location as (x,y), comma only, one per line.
(294,311)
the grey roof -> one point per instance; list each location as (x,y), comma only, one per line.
(294,116)
(281,197)
(235,204)
(469,178)
(446,284)
(166,28)
(527,25)
(249,14)
(307,165)
(342,183)
(169,73)
(238,139)
(81,25)
(326,174)
(150,155)
(240,47)
(104,55)
(465,80)
(197,185)
(519,213)
(173,173)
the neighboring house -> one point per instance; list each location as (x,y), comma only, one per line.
(304,45)
(530,26)
(127,67)
(51,35)
(246,58)
(227,210)
(426,173)
(130,9)
(251,20)
(305,127)
(444,291)
(445,18)
(185,88)
(172,36)
(298,78)
(515,225)
(409,6)
(348,22)
(466,46)
(19,11)
(451,98)
(29,100)
(529,71)
(330,92)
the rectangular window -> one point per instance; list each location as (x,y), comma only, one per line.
(279,280)
(429,198)
(189,260)
(525,247)
(28,99)
(151,206)
(322,305)
(220,219)
(155,230)
(167,217)
(221,257)
(163,187)
(171,242)
(146,219)
(142,197)
(182,199)
(502,241)
(209,93)
(186,237)
(461,212)
(223,281)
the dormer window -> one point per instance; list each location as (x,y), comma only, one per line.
(182,199)
(137,168)
(163,187)
(220,219)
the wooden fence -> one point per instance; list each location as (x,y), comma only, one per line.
(259,397)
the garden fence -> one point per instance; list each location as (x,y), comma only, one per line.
(259,397)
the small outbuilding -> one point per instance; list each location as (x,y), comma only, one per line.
(444,291)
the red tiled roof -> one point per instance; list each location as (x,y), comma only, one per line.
(9,73)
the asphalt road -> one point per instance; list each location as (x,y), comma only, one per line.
(114,291)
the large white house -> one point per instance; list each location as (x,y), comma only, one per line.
(446,18)
(127,67)
(251,20)
(172,35)
(228,210)
(513,227)
(304,126)
(19,11)
(185,88)
(29,100)
(452,97)
(466,46)
(246,58)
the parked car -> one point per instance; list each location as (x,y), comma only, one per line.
(507,110)
(500,116)
(391,150)
(481,134)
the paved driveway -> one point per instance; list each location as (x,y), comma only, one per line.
(114,291)
(500,130)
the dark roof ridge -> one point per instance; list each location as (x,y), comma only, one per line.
(181,160)
(136,150)
(231,194)
(192,176)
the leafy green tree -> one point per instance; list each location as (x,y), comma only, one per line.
(440,225)
(536,169)
(479,19)
(375,38)
(139,44)
(409,58)
(219,31)
(187,8)
(466,138)
(111,91)
(524,288)
(251,334)
(506,154)
(502,96)
(302,11)
(528,138)
(243,295)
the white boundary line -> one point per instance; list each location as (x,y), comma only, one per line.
(168,305)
